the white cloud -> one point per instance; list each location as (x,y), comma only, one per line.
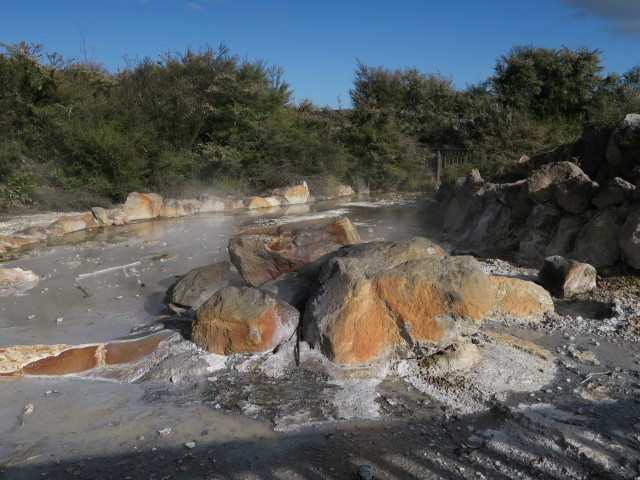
(622,16)
(194,6)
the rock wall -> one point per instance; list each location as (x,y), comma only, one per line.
(559,209)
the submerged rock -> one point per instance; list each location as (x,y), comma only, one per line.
(243,320)
(13,277)
(263,253)
(565,277)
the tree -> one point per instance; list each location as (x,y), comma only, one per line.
(548,82)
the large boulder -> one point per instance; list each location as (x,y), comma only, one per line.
(467,203)
(541,185)
(211,203)
(243,320)
(294,195)
(629,239)
(37,231)
(142,206)
(195,287)
(362,310)
(574,194)
(263,253)
(513,297)
(384,254)
(565,277)
(597,242)
(615,191)
(114,216)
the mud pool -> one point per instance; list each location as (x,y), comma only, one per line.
(195,416)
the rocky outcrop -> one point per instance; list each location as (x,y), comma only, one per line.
(629,239)
(513,297)
(195,287)
(565,277)
(363,310)
(541,185)
(559,209)
(614,192)
(263,253)
(141,206)
(243,320)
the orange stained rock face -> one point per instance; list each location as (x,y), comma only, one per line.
(225,336)
(364,330)
(127,351)
(16,242)
(520,298)
(256,202)
(73,360)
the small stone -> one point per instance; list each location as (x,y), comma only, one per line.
(31,317)
(365,472)
(190,445)
(140,438)
(28,409)
(59,320)
(119,297)
(164,432)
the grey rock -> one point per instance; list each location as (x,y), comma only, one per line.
(597,242)
(574,194)
(197,286)
(629,239)
(615,192)
(366,472)
(541,185)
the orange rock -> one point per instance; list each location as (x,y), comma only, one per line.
(362,310)
(256,202)
(36,231)
(263,253)
(519,298)
(73,360)
(142,206)
(294,195)
(244,319)
(17,242)
(69,359)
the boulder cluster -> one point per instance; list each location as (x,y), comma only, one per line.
(559,209)
(357,303)
(149,206)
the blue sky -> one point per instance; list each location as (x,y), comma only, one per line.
(317,43)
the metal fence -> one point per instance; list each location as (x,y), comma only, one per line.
(445,158)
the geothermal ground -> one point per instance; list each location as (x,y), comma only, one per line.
(555,397)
